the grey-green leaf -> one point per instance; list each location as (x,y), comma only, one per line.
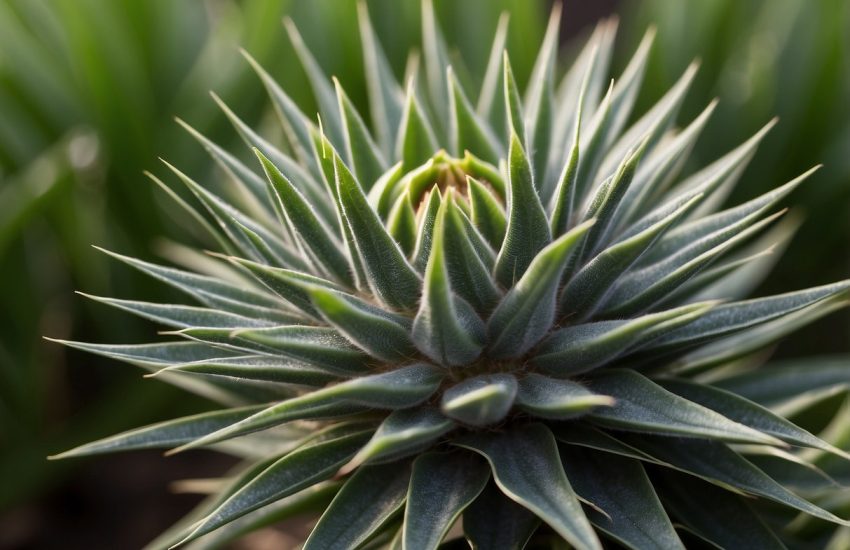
(582,347)
(710,515)
(644,406)
(292,473)
(446,328)
(379,333)
(441,487)
(619,486)
(480,401)
(366,501)
(528,227)
(495,521)
(390,276)
(527,468)
(398,389)
(404,432)
(546,397)
(526,314)
(164,434)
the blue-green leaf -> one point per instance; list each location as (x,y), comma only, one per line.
(318,239)
(385,95)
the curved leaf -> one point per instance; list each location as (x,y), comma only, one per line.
(527,468)
(441,487)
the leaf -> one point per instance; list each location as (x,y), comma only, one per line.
(579,348)
(546,397)
(480,401)
(211,291)
(587,288)
(317,195)
(752,340)
(441,487)
(495,521)
(659,170)
(232,221)
(288,284)
(163,434)
(252,186)
(379,333)
(416,142)
(710,515)
(436,60)
(726,319)
(320,244)
(446,328)
(402,224)
(466,130)
(322,89)
(748,413)
(488,105)
(427,221)
(610,117)
(653,125)
(619,486)
(526,314)
(562,205)
(175,315)
(539,98)
(320,346)
(296,471)
(258,368)
(643,406)
(155,356)
(390,276)
(297,127)
(527,468)
(365,502)
(513,102)
(607,199)
(385,95)
(468,259)
(398,389)
(716,463)
(363,153)
(404,432)
(486,213)
(528,228)
(772,385)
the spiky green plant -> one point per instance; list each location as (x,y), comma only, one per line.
(509,311)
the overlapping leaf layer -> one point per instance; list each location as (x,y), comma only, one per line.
(505,311)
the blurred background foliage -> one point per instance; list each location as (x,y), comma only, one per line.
(88,92)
